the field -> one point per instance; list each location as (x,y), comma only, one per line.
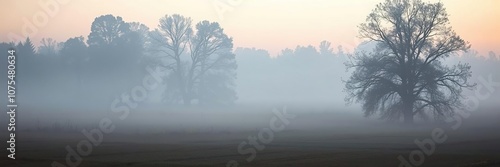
(201,138)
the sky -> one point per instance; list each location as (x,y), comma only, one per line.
(266,24)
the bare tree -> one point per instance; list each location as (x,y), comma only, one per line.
(191,57)
(171,39)
(212,63)
(404,76)
(325,48)
(48,47)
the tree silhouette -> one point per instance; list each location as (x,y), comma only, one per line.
(27,59)
(27,56)
(48,47)
(74,56)
(106,29)
(171,40)
(115,49)
(213,65)
(404,75)
(27,70)
(325,49)
(141,33)
(192,58)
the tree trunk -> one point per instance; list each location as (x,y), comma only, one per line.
(408,113)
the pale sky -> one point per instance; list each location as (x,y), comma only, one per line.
(267,24)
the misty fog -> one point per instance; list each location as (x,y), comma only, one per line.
(185,81)
(307,80)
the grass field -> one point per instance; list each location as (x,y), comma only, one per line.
(311,139)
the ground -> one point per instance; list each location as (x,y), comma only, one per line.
(309,140)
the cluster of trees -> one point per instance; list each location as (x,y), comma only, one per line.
(198,63)
(402,71)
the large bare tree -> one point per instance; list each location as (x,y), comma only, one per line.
(404,75)
(195,60)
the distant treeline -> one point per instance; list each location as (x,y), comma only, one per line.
(200,65)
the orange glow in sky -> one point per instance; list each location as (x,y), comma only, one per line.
(267,24)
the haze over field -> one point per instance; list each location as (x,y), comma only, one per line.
(252,83)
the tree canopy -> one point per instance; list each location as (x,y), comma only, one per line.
(404,75)
(201,64)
